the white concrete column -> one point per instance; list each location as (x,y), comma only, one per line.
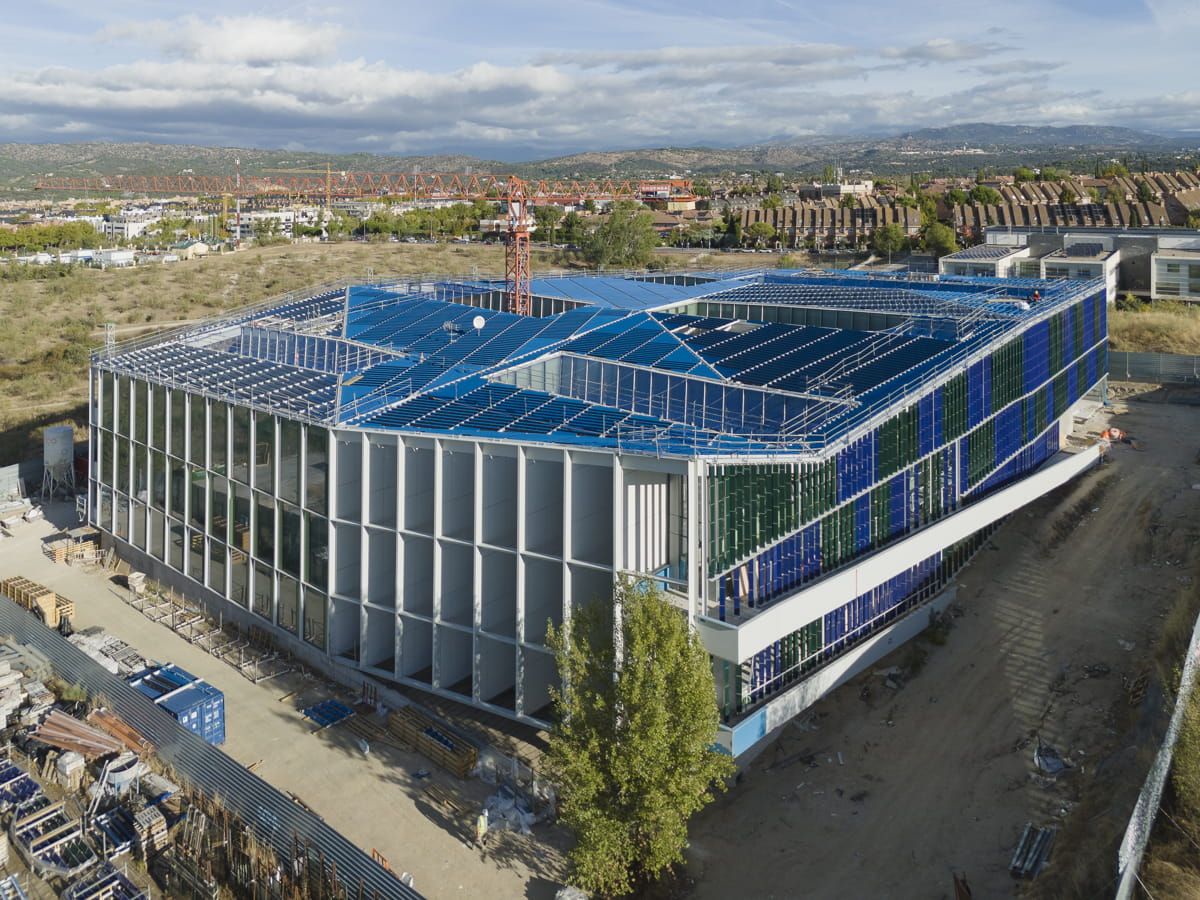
(437,562)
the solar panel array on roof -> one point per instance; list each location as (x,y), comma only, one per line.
(606,374)
(1084,250)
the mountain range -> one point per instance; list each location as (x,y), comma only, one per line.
(949,149)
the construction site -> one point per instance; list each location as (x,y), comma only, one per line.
(354,511)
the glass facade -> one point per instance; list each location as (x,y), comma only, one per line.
(231,498)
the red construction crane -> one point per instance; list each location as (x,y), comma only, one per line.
(518,194)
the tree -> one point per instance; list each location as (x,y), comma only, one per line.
(547,219)
(828,176)
(632,748)
(701,188)
(888,240)
(956,196)
(1068,195)
(760,233)
(572,226)
(772,201)
(774,184)
(939,239)
(985,195)
(733,228)
(1145,193)
(589,205)
(1023,173)
(848,202)
(1193,219)
(625,238)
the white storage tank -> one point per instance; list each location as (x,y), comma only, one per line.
(58,448)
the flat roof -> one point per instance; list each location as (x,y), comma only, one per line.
(688,363)
(985,252)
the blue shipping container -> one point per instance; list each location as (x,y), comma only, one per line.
(196,705)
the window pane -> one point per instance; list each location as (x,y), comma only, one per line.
(141,413)
(122,480)
(158,417)
(157,546)
(178,476)
(106,507)
(219,508)
(158,480)
(121,529)
(216,566)
(196,555)
(123,406)
(198,488)
(241,517)
(139,526)
(239,578)
(316,569)
(314,618)
(263,594)
(108,391)
(141,474)
(289,539)
(178,423)
(104,472)
(317,451)
(176,546)
(199,428)
(264,453)
(289,460)
(289,604)
(241,444)
(218,450)
(264,544)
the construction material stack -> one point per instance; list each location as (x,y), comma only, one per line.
(39,600)
(150,828)
(196,705)
(431,740)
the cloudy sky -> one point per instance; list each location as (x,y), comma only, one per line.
(534,78)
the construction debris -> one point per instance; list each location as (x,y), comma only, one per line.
(68,733)
(1033,851)
(1049,760)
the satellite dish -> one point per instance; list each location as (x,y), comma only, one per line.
(478,322)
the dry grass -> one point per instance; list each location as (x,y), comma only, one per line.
(1157,328)
(51,325)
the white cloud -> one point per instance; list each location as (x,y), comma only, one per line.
(252,40)
(944,50)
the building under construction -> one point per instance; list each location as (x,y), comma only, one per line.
(408,480)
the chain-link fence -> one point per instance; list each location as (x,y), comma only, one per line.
(1157,368)
(1141,822)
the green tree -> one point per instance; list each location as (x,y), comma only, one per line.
(589,205)
(848,202)
(547,219)
(956,196)
(774,184)
(625,238)
(1094,194)
(1068,195)
(1024,173)
(760,233)
(1145,193)
(772,201)
(939,239)
(828,176)
(632,750)
(985,195)
(1193,219)
(733,228)
(888,240)
(701,188)
(1113,170)
(572,227)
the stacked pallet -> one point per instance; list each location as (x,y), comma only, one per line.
(150,831)
(430,739)
(38,599)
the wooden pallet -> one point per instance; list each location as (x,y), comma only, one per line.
(410,725)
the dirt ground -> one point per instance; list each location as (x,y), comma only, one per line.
(887,793)
(377,800)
